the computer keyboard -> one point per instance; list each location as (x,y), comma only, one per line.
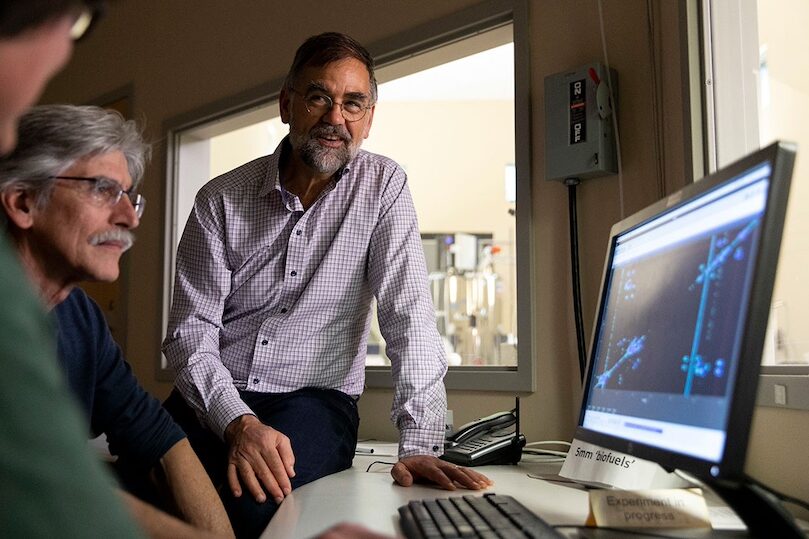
(487,516)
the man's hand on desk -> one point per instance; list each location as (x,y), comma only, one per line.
(258,453)
(426,468)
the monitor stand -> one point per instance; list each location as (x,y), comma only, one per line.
(761,512)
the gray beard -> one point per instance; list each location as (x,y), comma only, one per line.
(323,160)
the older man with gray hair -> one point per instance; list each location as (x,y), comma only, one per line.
(70,202)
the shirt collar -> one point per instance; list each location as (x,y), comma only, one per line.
(272,180)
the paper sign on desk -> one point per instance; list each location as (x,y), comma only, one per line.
(591,464)
(664,508)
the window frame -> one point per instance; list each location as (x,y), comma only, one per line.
(438,33)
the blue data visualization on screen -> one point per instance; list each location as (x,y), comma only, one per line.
(672,315)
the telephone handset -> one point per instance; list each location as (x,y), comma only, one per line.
(499,420)
(488,440)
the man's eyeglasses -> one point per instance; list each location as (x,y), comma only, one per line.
(319,103)
(109,192)
(86,18)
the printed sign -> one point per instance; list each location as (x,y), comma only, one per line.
(578,111)
(593,465)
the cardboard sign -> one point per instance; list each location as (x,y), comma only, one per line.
(666,508)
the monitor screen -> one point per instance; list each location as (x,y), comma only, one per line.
(682,316)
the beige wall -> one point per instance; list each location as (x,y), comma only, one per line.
(177,56)
(464,194)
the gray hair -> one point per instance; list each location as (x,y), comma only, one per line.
(53,137)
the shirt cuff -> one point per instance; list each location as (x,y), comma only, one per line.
(421,442)
(224,411)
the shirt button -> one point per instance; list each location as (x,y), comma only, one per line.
(255,380)
(264,342)
(283,311)
(298,232)
(435,448)
(293,273)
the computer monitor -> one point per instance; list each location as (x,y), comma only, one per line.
(681,322)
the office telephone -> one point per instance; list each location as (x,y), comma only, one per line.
(495,439)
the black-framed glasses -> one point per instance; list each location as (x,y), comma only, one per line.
(86,19)
(109,192)
(319,103)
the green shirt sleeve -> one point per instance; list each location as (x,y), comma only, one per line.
(51,485)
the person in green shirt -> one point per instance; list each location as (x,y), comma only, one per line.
(51,485)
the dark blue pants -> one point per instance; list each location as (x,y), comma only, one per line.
(320,423)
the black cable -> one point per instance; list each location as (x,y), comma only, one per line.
(368,469)
(574,263)
(780,495)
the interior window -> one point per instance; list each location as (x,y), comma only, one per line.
(447,116)
(783,108)
(760,93)
(450,123)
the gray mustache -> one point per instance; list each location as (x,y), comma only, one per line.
(335,130)
(122,236)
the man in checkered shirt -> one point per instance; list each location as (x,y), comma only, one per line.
(276,271)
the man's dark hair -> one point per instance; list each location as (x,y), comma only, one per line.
(17,16)
(326,48)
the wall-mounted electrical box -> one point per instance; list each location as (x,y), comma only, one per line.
(579,138)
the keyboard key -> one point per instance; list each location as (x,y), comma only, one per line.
(424,520)
(457,518)
(489,513)
(441,520)
(471,515)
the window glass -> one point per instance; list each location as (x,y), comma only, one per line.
(447,117)
(783,108)
(450,124)
(760,76)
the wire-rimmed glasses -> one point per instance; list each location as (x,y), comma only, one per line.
(319,103)
(108,191)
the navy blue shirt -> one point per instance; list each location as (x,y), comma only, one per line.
(138,429)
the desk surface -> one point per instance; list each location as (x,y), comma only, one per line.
(372,498)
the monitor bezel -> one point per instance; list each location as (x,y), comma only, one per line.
(781,155)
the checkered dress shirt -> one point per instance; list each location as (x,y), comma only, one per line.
(271,298)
